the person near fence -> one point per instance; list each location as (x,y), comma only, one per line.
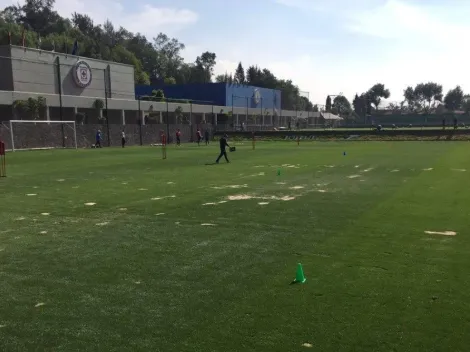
(198,136)
(178,137)
(206,136)
(98,139)
(123,139)
(223,151)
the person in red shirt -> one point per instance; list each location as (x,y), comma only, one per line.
(178,137)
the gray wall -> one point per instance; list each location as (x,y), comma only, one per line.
(35,71)
(6,77)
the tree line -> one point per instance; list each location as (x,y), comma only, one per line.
(424,98)
(37,24)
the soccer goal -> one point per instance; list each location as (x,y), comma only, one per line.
(30,135)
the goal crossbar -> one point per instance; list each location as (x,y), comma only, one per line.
(41,122)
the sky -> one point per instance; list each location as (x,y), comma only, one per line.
(324,46)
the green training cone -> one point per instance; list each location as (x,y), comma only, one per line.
(299,275)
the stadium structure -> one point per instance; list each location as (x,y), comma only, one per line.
(72,84)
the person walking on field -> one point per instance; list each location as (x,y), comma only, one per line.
(223,145)
(98,139)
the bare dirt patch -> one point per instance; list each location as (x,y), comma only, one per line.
(442,233)
(368,170)
(297,187)
(31,194)
(40,304)
(230,186)
(428,169)
(207,224)
(240,197)
(396,170)
(460,170)
(102,223)
(354,176)
(263,203)
(90,204)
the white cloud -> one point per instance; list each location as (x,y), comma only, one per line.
(225,66)
(423,43)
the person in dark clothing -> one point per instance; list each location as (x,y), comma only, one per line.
(98,139)
(206,137)
(223,152)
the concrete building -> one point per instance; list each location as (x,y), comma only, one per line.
(71,85)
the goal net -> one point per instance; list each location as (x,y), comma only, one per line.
(30,135)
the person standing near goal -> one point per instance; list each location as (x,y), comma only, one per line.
(98,139)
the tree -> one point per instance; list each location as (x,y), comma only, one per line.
(376,93)
(454,99)
(423,97)
(431,93)
(342,105)
(412,99)
(170,81)
(466,104)
(158,95)
(179,114)
(226,78)
(168,56)
(239,74)
(315,108)
(205,66)
(328,104)
(253,75)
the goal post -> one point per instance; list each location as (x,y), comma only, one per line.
(32,134)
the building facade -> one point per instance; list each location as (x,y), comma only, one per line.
(71,86)
(221,94)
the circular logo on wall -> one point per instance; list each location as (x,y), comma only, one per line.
(256,96)
(82,74)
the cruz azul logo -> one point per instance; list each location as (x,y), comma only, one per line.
(82,74)
(256,96)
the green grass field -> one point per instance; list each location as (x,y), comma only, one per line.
(115,276)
